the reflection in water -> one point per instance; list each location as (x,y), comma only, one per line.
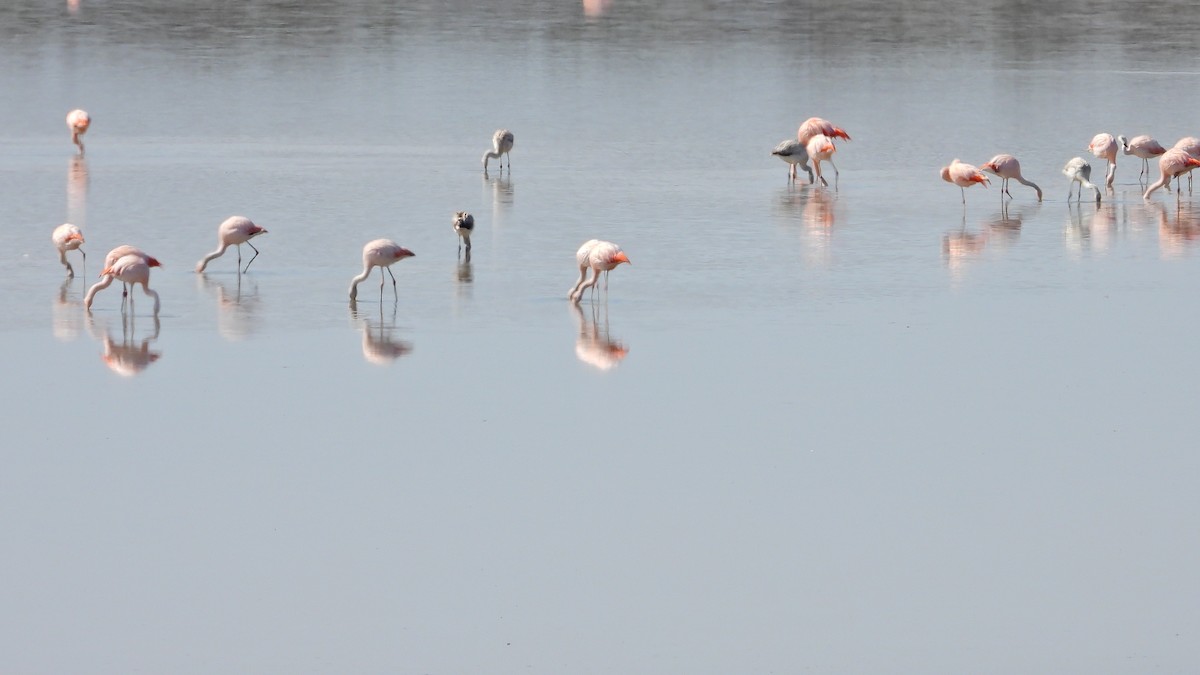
(1004,229)
(77,191)
(816,210)
(594,8)
(960,247)
(379,346)
(129,357)
(594,346)
(464,275)
(501,187)
(1090,229)
(237,309)
(68,319)
(1178,229)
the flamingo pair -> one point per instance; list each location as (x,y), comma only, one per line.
(816,135)
(130,266)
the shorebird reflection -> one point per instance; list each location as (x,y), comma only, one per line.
(595,346)
(379,345)
(1090,229)
(237,308)
(1004,229)
(130,356)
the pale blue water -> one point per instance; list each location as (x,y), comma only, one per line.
(854,431)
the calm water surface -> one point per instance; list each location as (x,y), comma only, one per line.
(859,430)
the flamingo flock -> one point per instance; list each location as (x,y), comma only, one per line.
(815,142)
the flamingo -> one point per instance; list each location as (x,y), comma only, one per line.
(78,122)
(1079,171)
(129,269)
(1172,163)
(794,152)
(820,149)
(1190,145)
(1142,146)
(1007,167)
(235,231)
(502,142)
(120,252)
(600,256)
(379,253)
(964,176)
(1105,147)
(464,225)
(68,237)
(815,125)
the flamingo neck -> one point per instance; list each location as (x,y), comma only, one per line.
(211,256)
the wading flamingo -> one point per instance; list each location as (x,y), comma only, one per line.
(1143,147)
(1173,162)
(235,231)
(502,143)
(68,237)
(78,122)
(1105,147)
(129,269)
(1079,171)
(964,176)
(1190,145)
(1007,167)
(600,256)
(815,125)
(464,225)
(820,149)
(794,153)
(380,253)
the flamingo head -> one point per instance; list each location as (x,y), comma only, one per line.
(620,257)
(990,167)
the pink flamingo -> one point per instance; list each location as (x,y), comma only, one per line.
(1190,145)
(1105,147)
(379,253)
(964,176)
(820,148)
(1006,167)
(600,256)
(78,122)
(235,231)
(502,143)
(815,125)
(1079,171)
(1144,147)
(794,153)
(1172,163)
(131,269)
(68,237)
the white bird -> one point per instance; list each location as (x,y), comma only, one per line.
(78,122)
(794,153)
(599,256)
(502,143)
(1079,171)
(68,237)
(463,224)
(129,269)
(379,253)
(234,231)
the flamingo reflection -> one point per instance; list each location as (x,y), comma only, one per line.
(595,8)
(68,320)
(1090,229)
(595,346)
(379,345)
(237,308)
(130,356)
(1178,229)
(77,190)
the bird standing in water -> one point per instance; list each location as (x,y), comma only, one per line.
(599,256)
(1105,147)
(235,231)
(820,149)
(964,176)
(381,253)
(78,122)
(1079,171)
(1007,167)
(129,269)
(815,125)
(502,143)
(794,153)
(1173,163)
(68,237)
(1143,147)
(463,224)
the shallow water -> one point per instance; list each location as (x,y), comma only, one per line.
(867,429)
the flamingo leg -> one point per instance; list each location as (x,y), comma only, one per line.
(964,194)
(251,259)
(394,291)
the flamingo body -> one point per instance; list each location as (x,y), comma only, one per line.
(820,148)
(381,253)
(963,175)
(1079,171)
(1105,147)
(1142,147)
(1172,163)
(599,256)
(234,231)
(502,143)
(129,266)
(78,122)
(795,154)
(68,237)
(1007,167)
(814,126)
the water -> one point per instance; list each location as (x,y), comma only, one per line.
(862,430)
